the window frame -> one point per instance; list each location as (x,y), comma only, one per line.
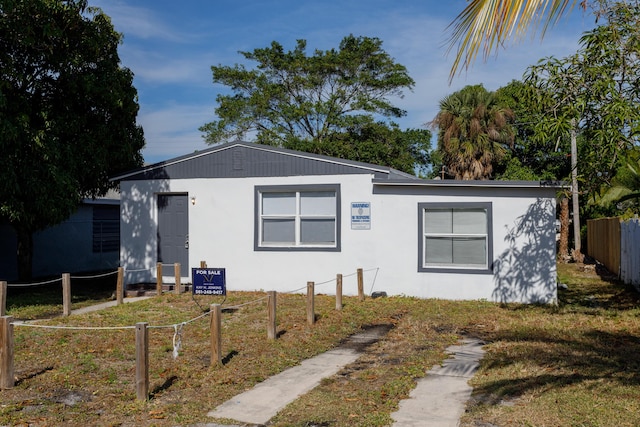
(105,228)
(298,216)
(422,267)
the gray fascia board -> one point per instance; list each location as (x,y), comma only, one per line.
(469,183)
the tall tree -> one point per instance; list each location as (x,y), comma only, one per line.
(596,96)
(473,131)
(534,155)
(294,100)
(489,24)
(67,113)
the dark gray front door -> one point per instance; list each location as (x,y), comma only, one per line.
(173,233)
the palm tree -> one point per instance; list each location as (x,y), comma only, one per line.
(473,132)
(490,23)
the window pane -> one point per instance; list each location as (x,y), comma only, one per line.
(278,203)
(278,231)
(469,221)
(438,250)
(318,203)
(317,231)
(469,251)
(438,221)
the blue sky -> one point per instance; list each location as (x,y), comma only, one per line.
(170,46)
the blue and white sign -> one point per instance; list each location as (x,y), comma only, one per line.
(360,215)
(208,281)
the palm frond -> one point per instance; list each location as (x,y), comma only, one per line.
(487,24)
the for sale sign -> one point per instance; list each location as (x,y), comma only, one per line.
(208,281)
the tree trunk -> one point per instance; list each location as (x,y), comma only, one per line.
(563,249)
(577,253)
(25,254)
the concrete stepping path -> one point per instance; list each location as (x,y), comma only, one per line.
(440,398)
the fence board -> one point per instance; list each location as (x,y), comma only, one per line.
(604,242)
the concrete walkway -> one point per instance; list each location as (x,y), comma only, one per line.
(104,305)
(438,400)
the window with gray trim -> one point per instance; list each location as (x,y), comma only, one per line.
(305,217)
(455,237)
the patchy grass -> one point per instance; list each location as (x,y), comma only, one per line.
(571,364)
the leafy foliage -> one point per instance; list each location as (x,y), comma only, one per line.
(67,112)
(473,132)
(326,103)
(598,88)
(536,154)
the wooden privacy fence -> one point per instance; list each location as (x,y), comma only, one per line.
(603,242)
(7,324)
(616,244)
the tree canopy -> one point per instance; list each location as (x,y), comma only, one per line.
(473,132)
(67,113)
(333,102)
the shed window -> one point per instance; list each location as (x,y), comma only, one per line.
(300,218)
(106,228)
(455,237)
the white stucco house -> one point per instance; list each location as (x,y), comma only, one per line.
(275,219)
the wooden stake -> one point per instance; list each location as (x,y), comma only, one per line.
(66,294)
(216,334)
(203,264)
(176,269)
(120,286)
(271,315)
(360,285)
(7,379)
(3,298)
(142,361)
(159,278)
(339,292)
(311,315)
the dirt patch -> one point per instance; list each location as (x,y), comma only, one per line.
(370,334)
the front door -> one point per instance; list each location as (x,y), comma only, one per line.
(173,233)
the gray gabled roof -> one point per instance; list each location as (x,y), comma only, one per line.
(245,159)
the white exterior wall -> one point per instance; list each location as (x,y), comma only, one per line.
(221,232)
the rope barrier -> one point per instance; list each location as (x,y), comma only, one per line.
(177,327)
(94,276)
(138,270)
(78,328)
(26,285)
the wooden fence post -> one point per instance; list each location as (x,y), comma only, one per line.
(271,315)
(176,269)
(360,285)
(339,292)
(311,315)
(66,294)
(203,264)
(159,278)
(142,360)
(3,298)
(216,334)
(120,286)
(6,353)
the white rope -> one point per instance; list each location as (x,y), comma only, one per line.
(78,328)
(246,303)
(374,279)
(138,270)
(96,276)
(25,285)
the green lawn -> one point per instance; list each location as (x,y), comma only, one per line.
(571,364)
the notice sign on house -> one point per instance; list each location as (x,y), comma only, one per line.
(208,281)
(360,215)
